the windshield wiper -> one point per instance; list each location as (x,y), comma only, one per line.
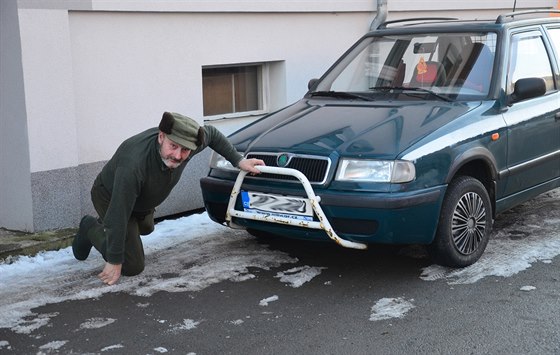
(402,88)
(341,94)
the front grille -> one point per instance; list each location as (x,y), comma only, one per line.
(315,168)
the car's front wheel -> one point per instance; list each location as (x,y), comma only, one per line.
(465,223)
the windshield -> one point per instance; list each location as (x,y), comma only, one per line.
(445,65)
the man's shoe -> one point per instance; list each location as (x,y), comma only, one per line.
(81,246)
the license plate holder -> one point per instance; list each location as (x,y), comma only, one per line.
(293,207)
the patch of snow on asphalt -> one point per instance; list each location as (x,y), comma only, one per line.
(297,276)
(53,345)
(188,324)
(112,347)
(95,323)
(387,308)
(266,301)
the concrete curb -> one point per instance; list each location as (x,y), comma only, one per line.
(14,243)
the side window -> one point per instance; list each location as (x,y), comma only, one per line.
(555,37)
(529,59)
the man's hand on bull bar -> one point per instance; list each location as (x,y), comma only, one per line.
(249,165)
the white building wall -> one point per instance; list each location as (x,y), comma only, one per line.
(49,89)
(92,73)
(130,68)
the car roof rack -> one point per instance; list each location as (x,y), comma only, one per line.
(384,24)
(502,18)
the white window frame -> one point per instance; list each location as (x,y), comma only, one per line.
(263,82)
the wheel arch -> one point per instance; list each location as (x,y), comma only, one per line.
(481,165)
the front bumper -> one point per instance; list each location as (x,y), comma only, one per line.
(364,217)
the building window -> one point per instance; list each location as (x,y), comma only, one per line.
(234,90)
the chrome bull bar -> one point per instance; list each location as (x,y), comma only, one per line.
(323,222)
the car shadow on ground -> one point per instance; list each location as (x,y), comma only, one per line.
(329,253)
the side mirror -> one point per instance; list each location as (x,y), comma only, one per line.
(311,83)
(527,88)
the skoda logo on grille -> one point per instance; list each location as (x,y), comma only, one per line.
(283,160)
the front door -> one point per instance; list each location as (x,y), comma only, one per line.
(534,124)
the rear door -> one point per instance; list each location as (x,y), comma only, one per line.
(534,124)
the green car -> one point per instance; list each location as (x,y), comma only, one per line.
(420,133)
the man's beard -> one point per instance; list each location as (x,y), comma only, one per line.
(170,162)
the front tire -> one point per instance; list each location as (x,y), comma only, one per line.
(465,223)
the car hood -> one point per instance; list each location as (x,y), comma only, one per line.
(365,130)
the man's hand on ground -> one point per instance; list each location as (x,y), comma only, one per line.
(110,274)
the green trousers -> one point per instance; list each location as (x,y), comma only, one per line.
(138,224)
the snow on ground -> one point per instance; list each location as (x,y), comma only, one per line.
(5,345)
(266,301)
(94,323)
(512,249)
(53,345)
(188,324)
(387,308)
(192,253)
(297,276)
(514,246)
(112,347)
(187,254)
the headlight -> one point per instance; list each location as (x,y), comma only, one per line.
(393,171)
(219,162)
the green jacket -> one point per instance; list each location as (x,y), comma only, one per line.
(136,180)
